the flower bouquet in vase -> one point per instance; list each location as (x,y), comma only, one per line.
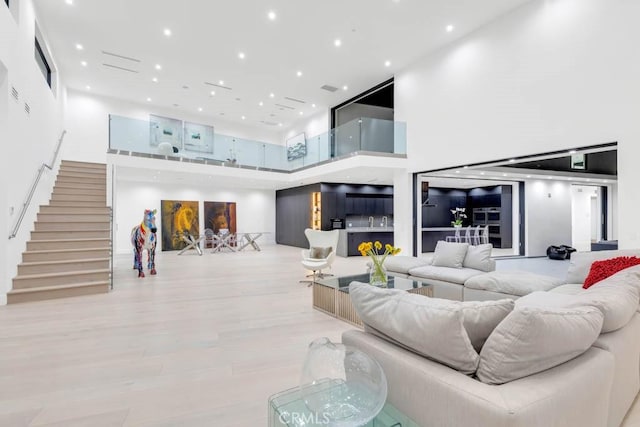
(377,274)
(458,217)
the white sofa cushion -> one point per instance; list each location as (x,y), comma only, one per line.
(449,254)
(530,340)
(568,289)
(616,297)
(402,264)
(479,257)
(482,317)
(512,282)
(430,327)
(445,274)
(581,262)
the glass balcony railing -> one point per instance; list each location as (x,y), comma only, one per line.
(176,140)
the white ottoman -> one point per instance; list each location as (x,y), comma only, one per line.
(506,284)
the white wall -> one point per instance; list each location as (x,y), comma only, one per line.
(315,125)
(548,215)
(87,121)
(28,139)
(255,209)
(550,75)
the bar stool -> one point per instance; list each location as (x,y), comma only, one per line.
(455,238)
(485,235)
(475,239)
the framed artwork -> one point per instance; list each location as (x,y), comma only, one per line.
(296,147)
(165,129)
(198,138)
(219,216)
(178,217)
(578,161)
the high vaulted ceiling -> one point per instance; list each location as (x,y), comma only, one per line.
(208,36)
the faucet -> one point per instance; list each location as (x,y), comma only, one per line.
(370,222)
(385,221)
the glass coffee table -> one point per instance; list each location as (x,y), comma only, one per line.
(288,409)
(331,294)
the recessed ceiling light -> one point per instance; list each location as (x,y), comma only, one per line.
(337,42)
(528,176)
(158,67)
(301,113)
(167,32)
(387,63)
(299,73)
(148,99)
(88,87)
(261,103)
(155,80)
(572,152)
(481,173)
(512,160)
(466,167)
(549,177)
(212,93)
(505,174)
(449,28)
(79,46)
(280,124)
(345,87)
(83,63)
(313,105)
(221,82)
(241,55)
(605,181)
(457,171)
(200,109)
(272,15)
(69,2)
(271,95)
(243,117)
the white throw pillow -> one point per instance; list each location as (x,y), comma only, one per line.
(581,262)
(430,327)
(478,257)
(616,297)
(530,340)
(448,254)
(482,317)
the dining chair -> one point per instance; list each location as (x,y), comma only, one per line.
(475,239)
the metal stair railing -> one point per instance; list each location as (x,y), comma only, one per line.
(32,190)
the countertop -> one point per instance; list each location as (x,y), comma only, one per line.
(443,228)
(368,230)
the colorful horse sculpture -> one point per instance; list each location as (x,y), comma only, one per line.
(143,237)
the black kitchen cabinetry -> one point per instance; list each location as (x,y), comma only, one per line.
(354,240)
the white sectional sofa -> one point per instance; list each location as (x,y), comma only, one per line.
(594,389)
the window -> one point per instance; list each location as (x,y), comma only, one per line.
(42,63)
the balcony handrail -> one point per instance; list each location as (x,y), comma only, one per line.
(34,186)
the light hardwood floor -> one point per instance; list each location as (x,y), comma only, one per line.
(204,343)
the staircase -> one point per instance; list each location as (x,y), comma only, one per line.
(70,248)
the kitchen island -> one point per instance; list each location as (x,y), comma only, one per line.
(351,237)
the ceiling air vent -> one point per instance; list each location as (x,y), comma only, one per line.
(285,106)
(216,85)
(115,55)
(129,70)
(268,123)
(295,100)
(329,88)
(14,93)
(27,108)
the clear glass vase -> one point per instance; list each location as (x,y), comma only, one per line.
(378,275)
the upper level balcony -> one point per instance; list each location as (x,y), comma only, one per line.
(194,143)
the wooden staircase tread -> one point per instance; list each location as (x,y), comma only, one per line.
(66,273)
(61,251)
(57,287)
(66,261)
(86,239)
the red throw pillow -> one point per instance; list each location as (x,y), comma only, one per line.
(600,270)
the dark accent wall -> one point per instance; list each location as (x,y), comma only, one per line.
(293,207)
(293,214)
(604,162)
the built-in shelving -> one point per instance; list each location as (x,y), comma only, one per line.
(316,210)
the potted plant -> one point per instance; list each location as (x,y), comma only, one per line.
(458,217)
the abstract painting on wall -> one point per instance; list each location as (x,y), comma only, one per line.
(165,129)
(220,216)
(296,147)
(198,138)
(178,217)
